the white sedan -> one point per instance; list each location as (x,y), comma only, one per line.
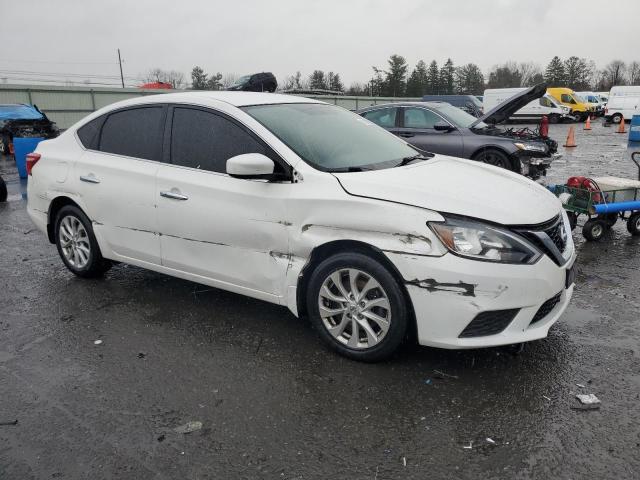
(307,205)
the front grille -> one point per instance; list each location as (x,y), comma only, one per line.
(546,308)
(555,234)
(557,237)
(489,323)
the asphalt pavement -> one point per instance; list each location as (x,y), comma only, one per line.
(99,374)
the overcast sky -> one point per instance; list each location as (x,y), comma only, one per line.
(283,36)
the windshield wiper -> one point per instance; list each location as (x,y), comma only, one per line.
(348,169)
(408,160)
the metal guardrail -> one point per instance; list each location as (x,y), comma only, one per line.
(67,105)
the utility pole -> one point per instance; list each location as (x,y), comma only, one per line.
(120,62)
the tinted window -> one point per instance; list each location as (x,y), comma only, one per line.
(88,134)
(385,117)
(420,118)
(205,140)
(134,133)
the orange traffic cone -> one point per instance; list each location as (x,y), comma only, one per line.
(621,127)
(587,126)
(571,138)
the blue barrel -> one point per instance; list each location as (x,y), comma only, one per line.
(21,148)
(634,131)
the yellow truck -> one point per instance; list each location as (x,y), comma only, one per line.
(580,109)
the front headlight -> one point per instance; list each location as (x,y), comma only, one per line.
(531,147)
(480,241)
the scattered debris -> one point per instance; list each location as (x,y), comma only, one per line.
(161,438)
(588,399)
(142,355)
(546,398)
(9,423)
(441,375)
(404,461)
(580,385)
(428,381)
(188,427)
(468,447)
(97,342)
(490,440)
(588,402)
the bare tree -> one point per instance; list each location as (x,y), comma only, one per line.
(172,77)
(229,79)
(633,73)
(614,74)
(530,73)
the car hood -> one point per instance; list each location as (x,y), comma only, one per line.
(502,112)
(458,186)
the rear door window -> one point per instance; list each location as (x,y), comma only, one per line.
(420,118)
(204,140)
(135,132)
(385,117)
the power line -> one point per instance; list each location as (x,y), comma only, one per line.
(6,60)
(66,74)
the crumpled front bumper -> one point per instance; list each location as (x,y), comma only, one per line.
(448,292)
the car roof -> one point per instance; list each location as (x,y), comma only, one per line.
(404,104)
(238,99)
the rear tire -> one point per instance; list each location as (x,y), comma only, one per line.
(3,190)
(554,118)
(633,224)
(494,157)
(77,244)
(594,229)
(352,292)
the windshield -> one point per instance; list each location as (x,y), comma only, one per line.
(331,138)
(242,80)
(458,117)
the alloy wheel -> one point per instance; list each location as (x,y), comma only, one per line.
(74,242)
(354,308)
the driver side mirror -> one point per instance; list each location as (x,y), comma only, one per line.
(443,127)
(250,166)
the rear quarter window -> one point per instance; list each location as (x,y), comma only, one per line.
(89,134)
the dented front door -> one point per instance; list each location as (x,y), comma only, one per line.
(224,229)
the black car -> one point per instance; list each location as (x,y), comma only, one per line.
(439,127)
(21,120)
(256,82)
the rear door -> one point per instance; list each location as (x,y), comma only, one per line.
(417,127)
(116,179)
(386,117)
(214,226)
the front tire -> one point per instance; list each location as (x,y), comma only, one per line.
(617,118)
(77,244)
(495,158)
(357,307)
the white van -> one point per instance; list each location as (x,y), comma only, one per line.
(624,103)
(534,110)
(594,99)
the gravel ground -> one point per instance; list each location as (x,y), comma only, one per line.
(274,403)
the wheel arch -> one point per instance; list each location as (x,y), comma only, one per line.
(54,207)
(326,250)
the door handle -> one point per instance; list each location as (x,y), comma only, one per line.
(174,195)
(89,179)
(406,135)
